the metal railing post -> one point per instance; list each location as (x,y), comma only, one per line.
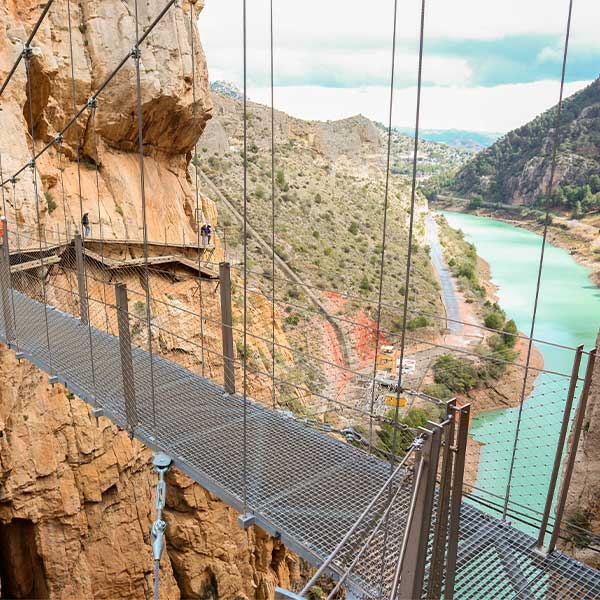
(5,284)
(227,328)
(576,434)
(126,357)
(410,571)
(438,551)
(460,450)
(559,448)
(83,302)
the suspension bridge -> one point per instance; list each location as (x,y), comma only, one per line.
(396,523)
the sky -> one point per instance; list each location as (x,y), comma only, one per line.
(489,65)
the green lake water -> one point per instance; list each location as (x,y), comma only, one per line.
(568,314)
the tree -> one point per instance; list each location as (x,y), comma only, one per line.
(577,211)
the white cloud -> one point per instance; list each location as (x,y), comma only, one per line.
(497,109)
(347,43)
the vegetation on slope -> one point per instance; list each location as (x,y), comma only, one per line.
(516,168)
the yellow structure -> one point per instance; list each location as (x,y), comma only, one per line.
(391,401)
(387,360)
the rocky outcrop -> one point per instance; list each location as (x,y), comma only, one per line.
(583,500)
(77,501)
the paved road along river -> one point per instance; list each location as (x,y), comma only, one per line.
(568,314)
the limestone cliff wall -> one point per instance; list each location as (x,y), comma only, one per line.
(76,494)
(103,33)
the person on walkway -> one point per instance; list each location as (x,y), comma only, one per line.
(85,222)
(203,234)
(208,233)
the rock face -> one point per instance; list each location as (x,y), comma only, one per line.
(102,34)
(76,494)
(517,168)
(583,501)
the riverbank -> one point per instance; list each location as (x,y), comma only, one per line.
(581,240)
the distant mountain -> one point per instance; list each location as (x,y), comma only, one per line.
(226,88)
(516,169)
(456,138)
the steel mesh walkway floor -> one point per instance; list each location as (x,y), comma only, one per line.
(303,485)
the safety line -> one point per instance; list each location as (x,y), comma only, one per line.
(555,144)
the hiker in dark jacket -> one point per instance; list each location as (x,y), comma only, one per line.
(208,233)
(85,222)
(203,234)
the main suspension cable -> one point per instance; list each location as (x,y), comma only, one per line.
(27,44)
(549,190)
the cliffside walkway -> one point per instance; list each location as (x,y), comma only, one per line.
(112,254)
(303,486)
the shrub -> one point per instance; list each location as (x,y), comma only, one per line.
(364,283)
(50,203)
(494,320)
(417,323)
(415,417)
(353,229)
(510,330)
(457,374)
(438,390)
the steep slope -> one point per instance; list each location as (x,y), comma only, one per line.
(516,169)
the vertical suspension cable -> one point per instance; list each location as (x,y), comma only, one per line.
(78,148)
(196,166)
(273,398)
(12,294)
(27,56)
(245,249)
(94,109)
(407,283)
(413,191)
(62,186)
(2,179)
(140,122)
(384,233)
(549,190)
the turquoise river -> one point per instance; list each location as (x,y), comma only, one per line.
(568,315)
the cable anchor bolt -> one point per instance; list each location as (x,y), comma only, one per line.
(27,52)
(58,138)
(162,463)
(92,102)
(135,53)
(31,163)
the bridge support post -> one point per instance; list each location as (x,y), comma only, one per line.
(83,302)
(5,285)
(126,358)
(570,463)
(460,451)
(226,328)
(410,571)
(438,552)
(539,546)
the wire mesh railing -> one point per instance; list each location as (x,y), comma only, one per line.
(183,333)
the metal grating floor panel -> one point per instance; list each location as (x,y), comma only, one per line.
(303,485)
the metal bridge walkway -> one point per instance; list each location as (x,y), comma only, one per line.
(303,486)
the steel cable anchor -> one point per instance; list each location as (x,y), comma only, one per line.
(162,463)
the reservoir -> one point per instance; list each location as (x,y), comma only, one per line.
(568,315)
